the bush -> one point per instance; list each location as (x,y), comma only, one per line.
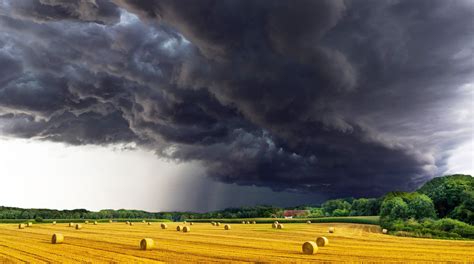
(38,219)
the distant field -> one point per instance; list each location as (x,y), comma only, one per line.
(371,220)
(118,242)
(48,221)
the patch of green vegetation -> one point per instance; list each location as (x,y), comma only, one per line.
(371,220)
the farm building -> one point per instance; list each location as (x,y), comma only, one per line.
(295,213)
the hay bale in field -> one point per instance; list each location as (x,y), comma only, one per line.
(110,221)
(248,222)
(227,227)
(21,226)
(186,229)
(30,224)
(322,241)
(143,221)
(274,225)
(213,223)
(254,222)
(147,244)
(178,228)
(71,224)
(86,222)
(164,226)
(184,222)
(243,222)
(308,222)
(310,248)
(218,224)
(54,222)
(128,222)
(331,229)
(95,222)
(280,226)
(149,223)
(131,223)
(57,238)
(276,222)
(78,226)
(384,231)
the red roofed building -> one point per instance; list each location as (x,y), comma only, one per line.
(295,213)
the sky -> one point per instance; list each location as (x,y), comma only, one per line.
(201,105)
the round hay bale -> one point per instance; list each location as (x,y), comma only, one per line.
(384,231)
(309,247)
(147,244)
(149,223)
(131,223)
(164,226)
(218,224)
(78,226)
(274,225)
(254,222)
(191,223)
(243,222)
(322,241)
(110,221)
(280,226)
(186,229)
(178,228)
(71,224)
(30,224)
(184,222)
(54,222)
(95,222)
(276,222)
(331,230)
(128,222)
(143,221)
(248,222)
(213,223)
(308,222)
(21,226)
(227,227)
(86,222)
(57,238)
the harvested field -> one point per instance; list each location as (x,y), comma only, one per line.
(117,242)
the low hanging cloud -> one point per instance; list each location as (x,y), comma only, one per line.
(335,97)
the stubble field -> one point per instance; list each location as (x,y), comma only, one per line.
(118,242)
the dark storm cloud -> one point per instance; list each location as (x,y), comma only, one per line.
(340,97)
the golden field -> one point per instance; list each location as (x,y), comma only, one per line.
(118,242)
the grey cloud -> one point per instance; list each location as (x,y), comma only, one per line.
(334,97)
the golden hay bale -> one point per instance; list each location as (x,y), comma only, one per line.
(227,227)
(30,224)
(322,241)
(86,222)
(331,229)
(149,223)
(243,222)
(191,223)
(248,222)
(310,248)
(178,228)
(143,221)
(218,224)
(164,226)
(280,226)
(110,221)
(254,222)
(78,226)
(131,223)
(95,222)
(71,224)
(57,238)
(274,225)
(384,231)
(147,244)
(21,226)
(54,222)
(276,222)
(184,222)
(186,229)
(128,222)
(213,223)
(308,222)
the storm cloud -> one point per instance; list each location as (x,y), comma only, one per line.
(344,98)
